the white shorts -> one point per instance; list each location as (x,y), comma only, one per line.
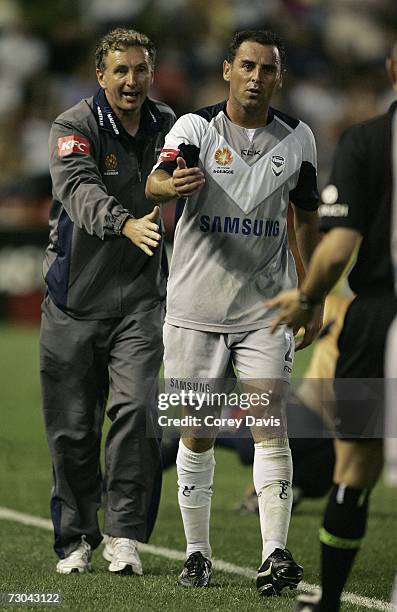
(255,355)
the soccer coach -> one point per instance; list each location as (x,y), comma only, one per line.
(102,316)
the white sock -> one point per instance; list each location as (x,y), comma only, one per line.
(394,593)
(195,478)
(272,480)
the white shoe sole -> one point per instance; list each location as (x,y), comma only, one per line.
(121,567)
(74,570)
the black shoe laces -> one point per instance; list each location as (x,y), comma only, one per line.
(195,564)
(285,554)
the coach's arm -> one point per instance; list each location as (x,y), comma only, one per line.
(297,307)
(182,183)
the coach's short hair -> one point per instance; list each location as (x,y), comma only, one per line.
(119,40)
(263,37)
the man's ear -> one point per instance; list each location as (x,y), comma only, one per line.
(226,70)
(99,76)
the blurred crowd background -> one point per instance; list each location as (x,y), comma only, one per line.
(336,51)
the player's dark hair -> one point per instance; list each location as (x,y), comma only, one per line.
(263,37)
(119,40)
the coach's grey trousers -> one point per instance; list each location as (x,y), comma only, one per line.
(79,361)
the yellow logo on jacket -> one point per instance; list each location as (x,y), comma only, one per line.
(110,165)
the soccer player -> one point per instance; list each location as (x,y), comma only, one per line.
(239,163)
(103,312)
(356,211)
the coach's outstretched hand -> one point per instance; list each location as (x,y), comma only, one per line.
(186,181)
(291,313)
(144,232)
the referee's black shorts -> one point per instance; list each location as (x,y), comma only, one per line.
(360,368)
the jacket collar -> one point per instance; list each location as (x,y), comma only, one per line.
(151,118)
(393,107)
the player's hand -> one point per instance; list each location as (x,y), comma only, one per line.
(186,181)
(290,313)
(144,232)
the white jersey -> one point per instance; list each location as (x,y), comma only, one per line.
(231,247)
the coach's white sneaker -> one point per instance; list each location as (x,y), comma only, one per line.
(123,556)
(78,561)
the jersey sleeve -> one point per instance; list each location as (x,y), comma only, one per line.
(77,183)
(305,194)
(343,199)
(183,140)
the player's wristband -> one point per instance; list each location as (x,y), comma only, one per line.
(307,303)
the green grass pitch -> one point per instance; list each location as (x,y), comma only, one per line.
(27,561)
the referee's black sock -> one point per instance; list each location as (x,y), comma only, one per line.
(344,526)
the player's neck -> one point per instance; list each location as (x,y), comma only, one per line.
(247,118)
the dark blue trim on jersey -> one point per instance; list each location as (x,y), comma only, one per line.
(291,121)
(57,278)
(179,208)
(167,166)
(56,515)
(164,263)
(305,195)
(154,500)
(209,112)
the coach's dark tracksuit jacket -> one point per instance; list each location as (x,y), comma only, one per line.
(99,174)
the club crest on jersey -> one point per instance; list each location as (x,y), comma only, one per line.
(223,157)
(110,165)
(278,164)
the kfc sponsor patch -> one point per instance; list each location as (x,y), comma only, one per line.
(73,144)
(169,154)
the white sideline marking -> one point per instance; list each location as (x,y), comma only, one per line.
(159,551)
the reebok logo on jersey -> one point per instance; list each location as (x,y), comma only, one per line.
(169,154)
(278,164)
(249,152)
(235,225)
(73,144)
